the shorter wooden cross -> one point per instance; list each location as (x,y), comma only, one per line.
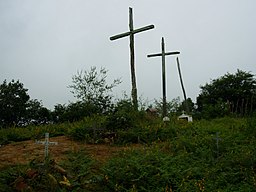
(163,54)
(46,144)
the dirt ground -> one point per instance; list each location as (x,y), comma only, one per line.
(24,152)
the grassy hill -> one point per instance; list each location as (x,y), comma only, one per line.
(178,156)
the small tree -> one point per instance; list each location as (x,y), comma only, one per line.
(13,103)
(73,111)
(91,87)
(231,93)
(172,106)
(190,106)
(36,113)
(59,113)
(123,116)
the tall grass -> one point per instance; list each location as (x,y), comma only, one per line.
(15,134)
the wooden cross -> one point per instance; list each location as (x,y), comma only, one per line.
(132,55)
(46,144)
(163,54)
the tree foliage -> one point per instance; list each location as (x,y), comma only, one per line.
(73,112)
(123,116)
(171,106)
(17,109)
(231,93)
(36,113)
(187,105)
(92,87)
(13,102)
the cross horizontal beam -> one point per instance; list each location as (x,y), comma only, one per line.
(132,32)
(45,142)
(160,54)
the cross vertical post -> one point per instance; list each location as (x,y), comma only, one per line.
(46,145)
(131,33)
(163,79)
(163,54)
(132,59)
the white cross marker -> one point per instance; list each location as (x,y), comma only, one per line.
(46,143)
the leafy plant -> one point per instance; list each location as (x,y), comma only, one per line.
(89,130)
(92,87)
(231,93)
(83,171)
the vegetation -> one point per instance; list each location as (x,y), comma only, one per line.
(216,152)
(13,102)
(179,156)
(229,94)
(17,109)
(92,87)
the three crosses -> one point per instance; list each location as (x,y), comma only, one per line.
(131,33)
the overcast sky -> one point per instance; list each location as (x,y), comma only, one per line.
(44,43)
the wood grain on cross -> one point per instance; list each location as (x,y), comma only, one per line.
(132,55)
(163,54)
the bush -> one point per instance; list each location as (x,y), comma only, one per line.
(137,171)
(82,171)
(152,170)
(15,134)
(123,117)
(146,134)
(89,130)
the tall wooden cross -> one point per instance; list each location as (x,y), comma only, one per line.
(163,54)
(132,55)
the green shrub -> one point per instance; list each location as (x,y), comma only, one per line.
(137,171)
(8,176)
(146,135)
(14,135)
(82,171)
(124,116)
(152,170)
(88,130)
(251,126)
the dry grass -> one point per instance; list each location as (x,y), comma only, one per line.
(24,152)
